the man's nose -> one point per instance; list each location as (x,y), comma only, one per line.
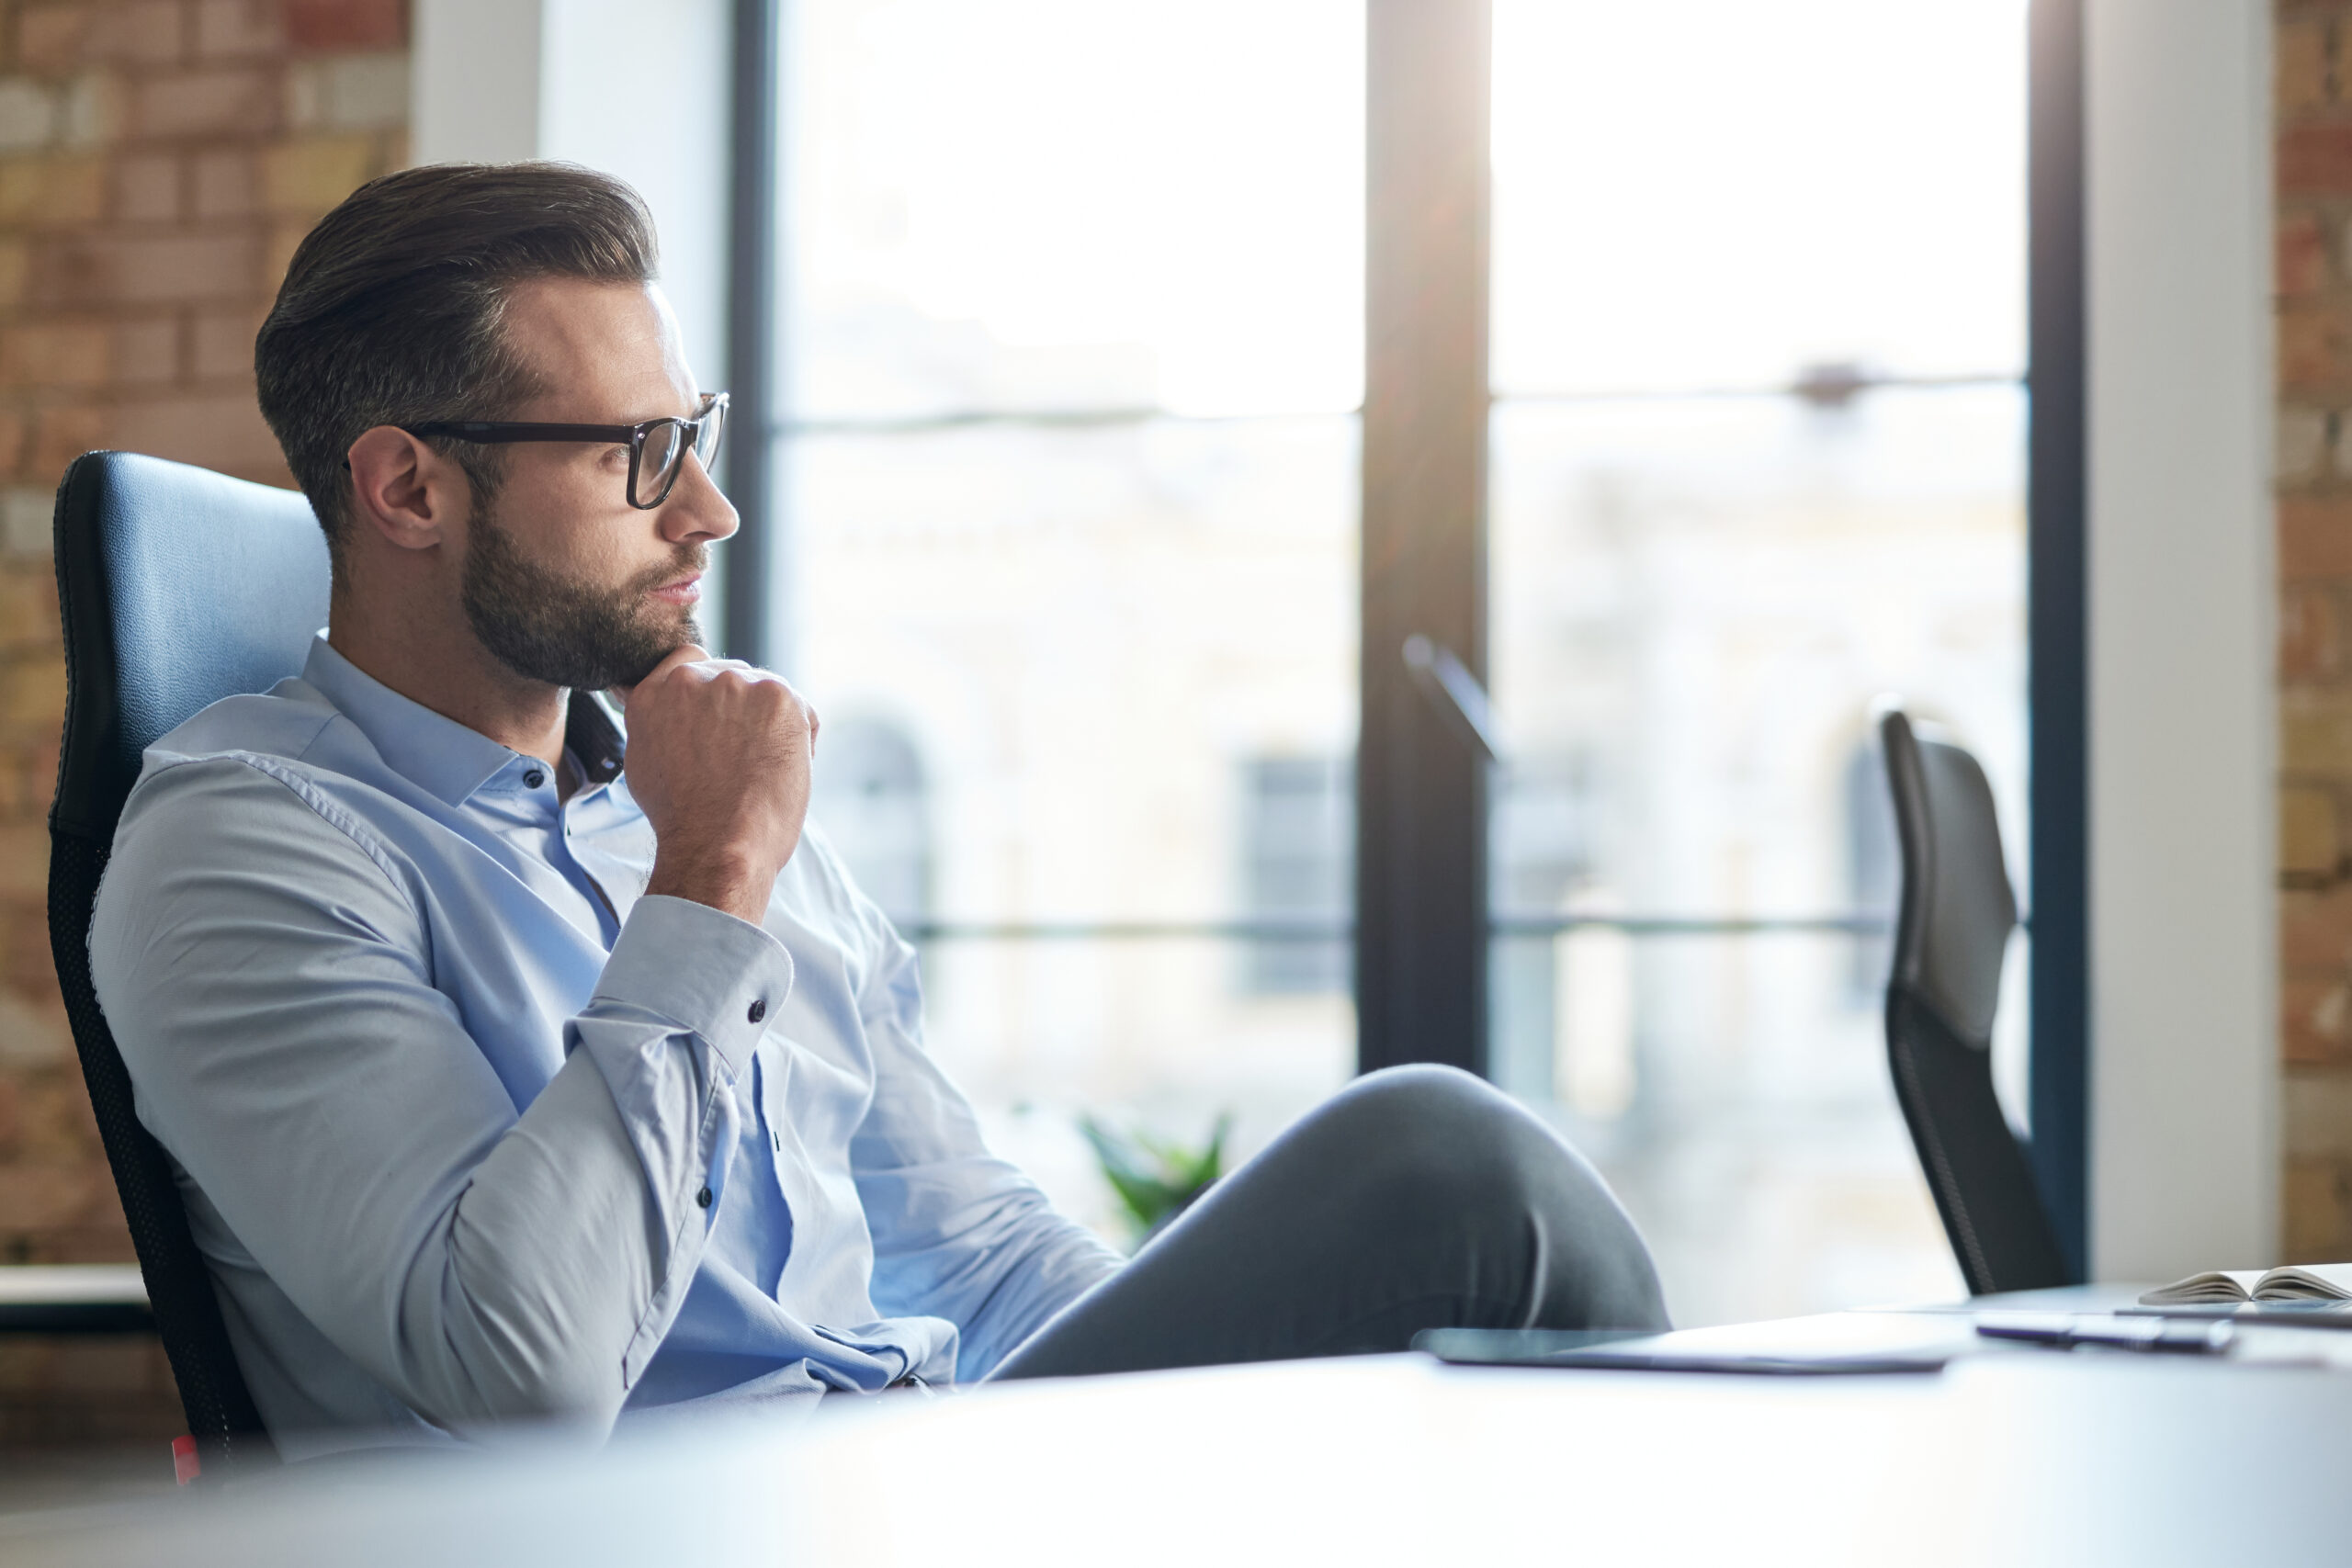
(695,509)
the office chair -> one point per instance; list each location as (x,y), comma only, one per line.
(176,587)
(1949,939)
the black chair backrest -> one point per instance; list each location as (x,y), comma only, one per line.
(177,587)
(1949,939)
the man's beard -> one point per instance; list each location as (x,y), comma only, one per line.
(545,626)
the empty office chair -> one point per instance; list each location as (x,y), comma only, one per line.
(1949,939)
(177,587)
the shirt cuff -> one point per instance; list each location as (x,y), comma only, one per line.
(702,969)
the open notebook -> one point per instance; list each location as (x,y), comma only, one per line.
(2225,1286)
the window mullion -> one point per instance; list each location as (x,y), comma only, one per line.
(754,255)
(1421,794)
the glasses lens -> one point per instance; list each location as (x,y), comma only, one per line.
(711,432)
(656,464)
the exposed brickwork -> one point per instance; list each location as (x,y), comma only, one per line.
(98,1392)
(158,160)
(2314,97)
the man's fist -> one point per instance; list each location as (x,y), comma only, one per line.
(718,758)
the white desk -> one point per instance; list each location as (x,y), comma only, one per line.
(2017,1459)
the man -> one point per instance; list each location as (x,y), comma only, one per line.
(504,1083)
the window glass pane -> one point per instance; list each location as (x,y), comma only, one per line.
(1694,604)
(1088,676)
(1075,204)
(1298,847)
(1718,193)
(1156,1034)
(1741,1110)
(1072,332)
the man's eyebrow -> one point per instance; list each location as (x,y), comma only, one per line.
(616,423)
(687,410)
(693,405)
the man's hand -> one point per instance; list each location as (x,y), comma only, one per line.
(718,759)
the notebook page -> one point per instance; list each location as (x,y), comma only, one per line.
(2306,1282)
(2224,1285)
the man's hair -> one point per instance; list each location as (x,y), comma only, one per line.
(393,308)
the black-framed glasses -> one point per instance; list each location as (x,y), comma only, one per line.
(657,449)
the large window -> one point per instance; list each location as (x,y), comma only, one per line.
(1068,446)
(1071,346)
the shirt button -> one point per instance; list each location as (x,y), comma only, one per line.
(534,779)
(702,1199)
(759,1011)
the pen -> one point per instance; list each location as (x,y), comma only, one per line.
(2158,1336)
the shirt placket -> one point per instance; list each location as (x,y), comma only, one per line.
(775,1072)
(577,870)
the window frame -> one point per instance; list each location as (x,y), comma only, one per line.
(2058,586)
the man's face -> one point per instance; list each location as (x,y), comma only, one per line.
(564,581)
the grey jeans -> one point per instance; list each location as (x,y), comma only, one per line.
(1415,1197)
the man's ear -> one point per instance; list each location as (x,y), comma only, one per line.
(403,491)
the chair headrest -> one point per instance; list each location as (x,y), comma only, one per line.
(176,587)
(1958,906)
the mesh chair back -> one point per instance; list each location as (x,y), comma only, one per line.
(176,587)
(1951,938)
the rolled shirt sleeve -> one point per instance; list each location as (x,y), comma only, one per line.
(268,976)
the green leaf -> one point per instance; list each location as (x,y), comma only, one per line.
(1154,1177)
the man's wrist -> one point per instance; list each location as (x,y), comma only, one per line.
(728,881)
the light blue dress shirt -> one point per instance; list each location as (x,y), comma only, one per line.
(471,1129)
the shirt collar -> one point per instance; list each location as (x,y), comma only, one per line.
(435,751)
(593,732)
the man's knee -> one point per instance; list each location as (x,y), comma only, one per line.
(1425,1135)
(1416,1094)
(1422,1098)
(1436,1153)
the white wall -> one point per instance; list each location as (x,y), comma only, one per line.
(474,81)
(639,91)
(2184,1061)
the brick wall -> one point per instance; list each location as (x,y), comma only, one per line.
(2314,540)
(159,159)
